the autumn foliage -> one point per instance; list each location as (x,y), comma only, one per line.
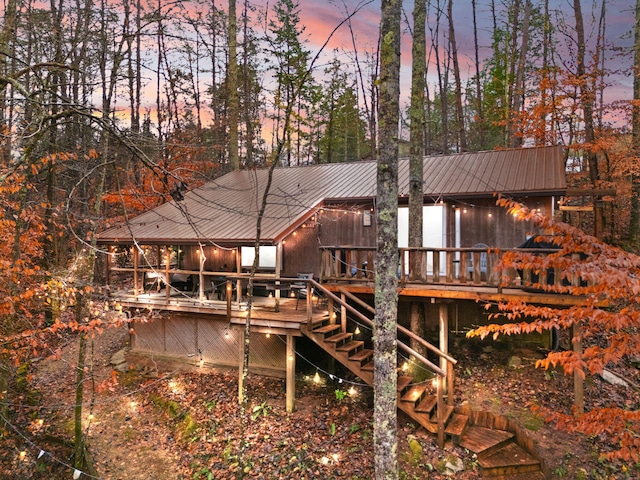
(606,282)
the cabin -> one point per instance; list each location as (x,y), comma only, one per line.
(185,265)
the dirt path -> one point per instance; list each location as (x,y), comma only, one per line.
(123,443)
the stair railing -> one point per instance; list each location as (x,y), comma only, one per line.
(442,374)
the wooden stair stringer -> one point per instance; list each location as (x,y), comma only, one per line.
(342,356)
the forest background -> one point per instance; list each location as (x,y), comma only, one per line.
(108,109)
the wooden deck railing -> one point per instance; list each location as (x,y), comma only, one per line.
(431,266)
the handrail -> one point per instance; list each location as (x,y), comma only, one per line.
(369,323)
(404,330)
(473,266)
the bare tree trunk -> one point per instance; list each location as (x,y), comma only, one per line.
(634,222)
(232,82)
(416,167)
(515,138)
(6,38)
(586,95)
(386,287)
(462,136)
(476,48)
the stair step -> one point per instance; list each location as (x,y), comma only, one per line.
(368,367)
(414,394)
(484,441)
(351,347)
(509,460)
(339,339)
(427,404)
(319,322)
(362,356)
(403,384)
(521,476)
(327,330)
(448,411)
(457,426)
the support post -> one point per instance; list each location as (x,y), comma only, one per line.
(291,373)
(276,292)
(443,321)
(343,312)
(440,412)
(203,260)
(167,278)
(135,271)
(240,364)
(578,382)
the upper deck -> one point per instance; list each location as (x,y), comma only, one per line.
(283,304)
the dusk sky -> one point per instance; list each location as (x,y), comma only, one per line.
(320,17)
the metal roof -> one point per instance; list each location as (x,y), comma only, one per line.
(225,210)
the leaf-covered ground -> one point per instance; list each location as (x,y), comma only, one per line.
(162,421)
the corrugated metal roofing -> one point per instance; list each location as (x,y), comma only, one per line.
(226,209)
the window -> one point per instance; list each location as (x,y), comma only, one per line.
(267,256)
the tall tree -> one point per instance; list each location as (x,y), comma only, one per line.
(232,86)
(289,59)
(634,224)
(416,152)
(342,137)
(462,136)
(518,89)
(586,94)
(386,286)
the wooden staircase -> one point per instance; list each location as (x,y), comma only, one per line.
(498,454)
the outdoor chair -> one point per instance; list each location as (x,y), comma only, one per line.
(301,287)
(483,260)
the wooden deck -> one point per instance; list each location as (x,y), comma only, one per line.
(291,313)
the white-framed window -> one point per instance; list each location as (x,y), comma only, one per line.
(267,256)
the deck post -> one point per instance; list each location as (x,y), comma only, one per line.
(443,321)
(135,271)
(343,312)
(167,279)
(578,383)
(440,410)
(291,373)
(203,259)
(240,363)
(109,262)
(276,292)
(309,303)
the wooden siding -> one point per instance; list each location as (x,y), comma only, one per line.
(481,221)
(343,225)
(187,337)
